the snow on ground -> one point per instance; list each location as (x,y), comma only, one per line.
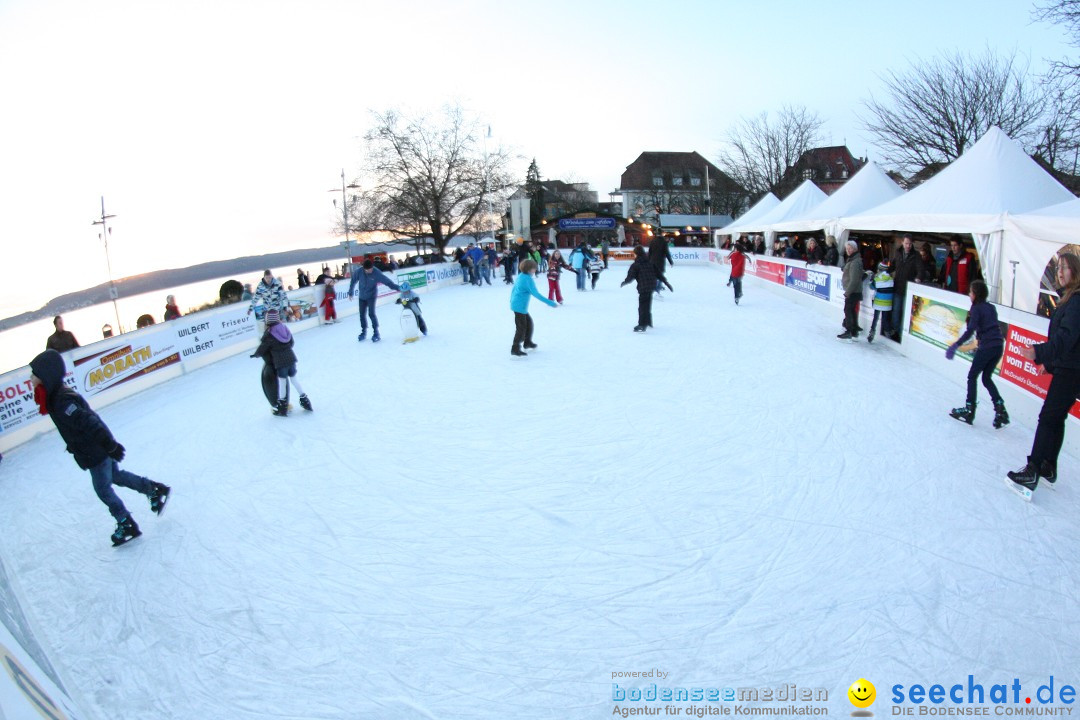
(736,499)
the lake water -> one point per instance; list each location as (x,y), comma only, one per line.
(19,345)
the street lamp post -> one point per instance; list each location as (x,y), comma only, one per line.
(104,235)
(345,216)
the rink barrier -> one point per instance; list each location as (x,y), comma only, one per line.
(932,320)
(115,368)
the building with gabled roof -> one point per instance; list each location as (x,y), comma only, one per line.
(674,183)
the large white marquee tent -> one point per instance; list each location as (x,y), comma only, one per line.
(868,188)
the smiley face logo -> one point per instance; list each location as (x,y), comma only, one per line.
(862,693)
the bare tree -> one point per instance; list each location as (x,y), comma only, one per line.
(760,151)
(1067,14)
(939,108)
(428,176)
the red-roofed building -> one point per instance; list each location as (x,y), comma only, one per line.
(674,183)
(828,167)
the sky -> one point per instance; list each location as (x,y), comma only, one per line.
(413,550)
(216,129)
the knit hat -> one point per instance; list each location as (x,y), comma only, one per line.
(272,317)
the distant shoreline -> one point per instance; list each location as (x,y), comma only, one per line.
(163,279)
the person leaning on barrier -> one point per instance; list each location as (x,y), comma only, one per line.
(61,340)
(905,263)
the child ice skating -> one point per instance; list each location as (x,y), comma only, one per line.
(555,268)
(647,277)
(409,300)
(982,322)
(94,447)
(524,288)
(738,259)
(882,284)
(596,266)
(277,344)
(327,304)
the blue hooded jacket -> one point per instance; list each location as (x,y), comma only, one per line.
(368,283)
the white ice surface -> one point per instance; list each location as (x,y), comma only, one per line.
(735,498)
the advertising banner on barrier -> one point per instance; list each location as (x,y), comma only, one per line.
(936,322)
(771,271)
(811,282)
(1018,369)
(415,278)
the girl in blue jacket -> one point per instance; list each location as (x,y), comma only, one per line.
(524,287)
(982,322)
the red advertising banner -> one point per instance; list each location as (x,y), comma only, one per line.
(1023,372)
(773,272)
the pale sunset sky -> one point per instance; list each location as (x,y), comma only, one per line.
(214,129)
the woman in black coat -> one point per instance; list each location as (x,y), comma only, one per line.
(1060,356)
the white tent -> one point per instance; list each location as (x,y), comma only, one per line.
(798,204)
(971,196)
(761,207)
(1031,240)
(867,188)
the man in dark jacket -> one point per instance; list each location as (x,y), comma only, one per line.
(658,255)
(647,278)
(89,440)
(905,264)
(61,340)
(368,280)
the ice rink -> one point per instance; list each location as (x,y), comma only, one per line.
(734,498)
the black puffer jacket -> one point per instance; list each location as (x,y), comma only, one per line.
(1062,346)
(277,347)
(645,274)
(86,435)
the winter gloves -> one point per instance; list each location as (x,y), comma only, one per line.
(951,351)
(117,453)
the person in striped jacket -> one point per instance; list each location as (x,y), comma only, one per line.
(882,284)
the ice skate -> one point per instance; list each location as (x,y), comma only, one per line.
(870,336)
(1048,473)
(282,408)
(517,352)
(159,497)
(306,403)
(1023,481)
(1001,416)
(846,335)
(964,414)
(126,531)
(530,346)
(362,336)
(375,336)
(639,328)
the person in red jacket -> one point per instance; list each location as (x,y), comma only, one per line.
(554,269)
(959,269)
(738,259)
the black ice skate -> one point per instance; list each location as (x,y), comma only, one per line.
(375,336)
(1023,481)
(362,336)
(530,346)
(306,403)
(517,352)
(282,408)
(870,337)
(159,497)
(1048,473)
(964,414)
(1001,416)
(126,531)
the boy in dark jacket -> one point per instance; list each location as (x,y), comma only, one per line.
(277,348)
(647,277)
(89,440)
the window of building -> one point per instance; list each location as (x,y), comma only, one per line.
(658,180)
(808,174)
(695,181)
(676,180)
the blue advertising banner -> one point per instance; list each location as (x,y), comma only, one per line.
(587,224)
(811,282)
